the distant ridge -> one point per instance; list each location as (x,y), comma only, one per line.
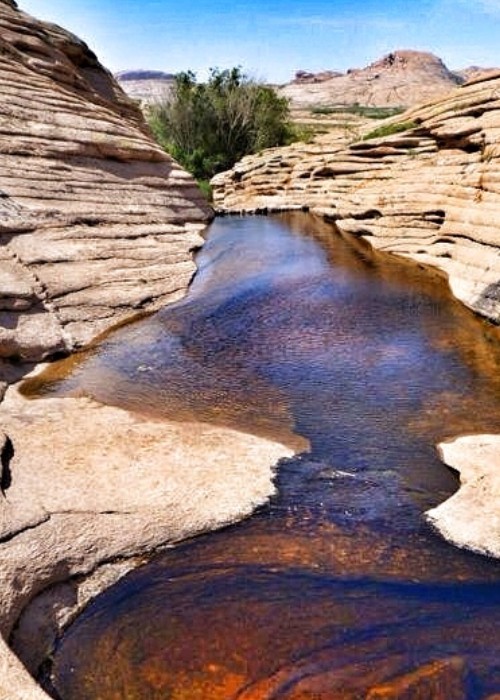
(146,86)
(144,75)
(400,78)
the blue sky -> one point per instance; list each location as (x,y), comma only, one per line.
(271,39)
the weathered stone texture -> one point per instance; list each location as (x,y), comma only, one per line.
(96,221)
(471,517)
(399,79)
(91,484)
(431,193)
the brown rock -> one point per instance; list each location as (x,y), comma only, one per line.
(445,679)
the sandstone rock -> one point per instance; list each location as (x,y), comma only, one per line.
(89,484)
(401,78)
(430,193)
(96,221)
(471,517)
(445,679)
(146,86)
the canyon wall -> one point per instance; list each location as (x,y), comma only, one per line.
(428,190)
(97,223)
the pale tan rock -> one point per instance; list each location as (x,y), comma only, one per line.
(401,78)
(89,202)
(90,484)
(471,517)
(431,193)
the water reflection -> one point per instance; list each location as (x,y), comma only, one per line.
(288,326)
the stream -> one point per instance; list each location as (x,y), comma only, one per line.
(339,583)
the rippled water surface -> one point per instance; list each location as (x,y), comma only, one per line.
(339,584)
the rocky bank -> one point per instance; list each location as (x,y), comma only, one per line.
(97,223)
(428,190)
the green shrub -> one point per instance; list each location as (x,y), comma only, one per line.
(207,127)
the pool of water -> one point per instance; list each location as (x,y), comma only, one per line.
(339,583)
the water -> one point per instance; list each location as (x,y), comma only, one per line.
(339,583)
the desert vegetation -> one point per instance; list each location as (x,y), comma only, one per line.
(207,127)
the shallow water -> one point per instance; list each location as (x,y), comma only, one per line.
(339,582)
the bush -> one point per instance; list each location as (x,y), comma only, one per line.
(207,127)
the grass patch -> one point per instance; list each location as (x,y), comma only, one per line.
(359,110)
(389,130)
(206,189)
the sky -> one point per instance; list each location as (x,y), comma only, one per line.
(271,39)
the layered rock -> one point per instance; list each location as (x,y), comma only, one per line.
(96,221)
(146,86)
(429,192)
(401,78)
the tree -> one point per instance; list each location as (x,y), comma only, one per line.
(207,127)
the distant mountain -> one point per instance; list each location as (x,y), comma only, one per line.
(476,72)
(146,86)
(401,78)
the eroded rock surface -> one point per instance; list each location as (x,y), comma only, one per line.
(431,192)
(471,517)
(398,79)
(96,221)
(106,485)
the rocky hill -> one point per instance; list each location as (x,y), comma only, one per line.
(146,86)
(96,221)
(402,78)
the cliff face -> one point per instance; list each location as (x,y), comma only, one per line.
(401,78)
(96,222)
(430,192)
(146,86)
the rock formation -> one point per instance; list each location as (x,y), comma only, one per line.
(428,192)
(471,517)
(399,79)
(146,86)
(97,223)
